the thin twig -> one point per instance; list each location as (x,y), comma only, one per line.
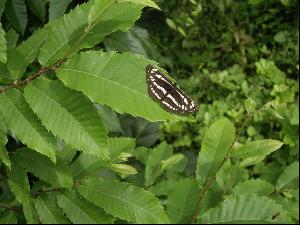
(9,207)
(212,179)
(41,71)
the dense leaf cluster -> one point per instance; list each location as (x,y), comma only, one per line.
(81,141)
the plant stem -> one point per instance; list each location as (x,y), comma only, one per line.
(212,179)
(41,71)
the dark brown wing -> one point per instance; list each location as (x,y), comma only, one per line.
(171,98)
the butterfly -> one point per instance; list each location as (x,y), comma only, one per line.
(171,98)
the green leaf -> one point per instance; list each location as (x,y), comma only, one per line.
(118,145)
(251,161)
(136,40)
(257,148)
(25,53)
(149,3)
(123,200)
(171,161)
(3,140)
(8,217)
(80,211)
(289,177)
(16,13)
(58,174)
(250,105)
(18,182)
(30,212)
(182,201)
(87,164)
(87,25)
(110,119)
(69,115)
(3,47)
(244,209)
(153,165)
(254,186)
(38,8)
(11,39)
(57,8)
(104,75)
(215,145)
(123,168)
(24,123)
(48,210)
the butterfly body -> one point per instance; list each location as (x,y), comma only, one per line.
(171,98)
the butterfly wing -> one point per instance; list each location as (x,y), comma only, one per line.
(171,98)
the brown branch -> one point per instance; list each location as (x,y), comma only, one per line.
(41,71)
(9,207)
(212,179)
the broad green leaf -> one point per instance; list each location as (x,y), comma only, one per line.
(25,124)
(3,47)
(16,13)
(153,165)
(80,211)
(163,187)
(8,217)
(146,133)
(244,209)
(289,177)
(86,26)
(11,39)
(123,168)
(215,145)
(118,145)
(38,8)
(87,164)
(48,210)
(58,174)
(254,186)
(257,148)
(66,152)
(171,161)
(251,161)
(57,8)
(18,182)
(123,200)
(182,201)
(19,185)
(136,40)
(141,153)
(69,115)
(104,75)
(25,53)
(3,140)
(110,119)
(30,212)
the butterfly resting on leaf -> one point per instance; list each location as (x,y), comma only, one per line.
(171,98)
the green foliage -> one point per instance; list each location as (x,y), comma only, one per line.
(3,53)
(95,73)
(215,146)
(245,209)
(123,200)
(16,13)
(45,95)
(81,141)
(78,210)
